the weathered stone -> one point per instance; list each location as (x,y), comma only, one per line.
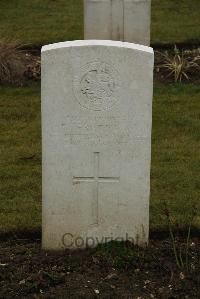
(96,132)
(123,20)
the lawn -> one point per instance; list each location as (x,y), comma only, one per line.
(20,161)
(175,155)
(38,22)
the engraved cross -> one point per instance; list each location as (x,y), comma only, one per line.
(96,180)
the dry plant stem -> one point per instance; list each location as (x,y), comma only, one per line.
(187,247)
(173,244)
(180,258)
(167,214)
(194,213)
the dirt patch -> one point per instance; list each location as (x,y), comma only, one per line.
(161,74)
(164,69)
(115,270)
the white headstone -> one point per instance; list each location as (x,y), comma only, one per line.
(96,132)
(123,20)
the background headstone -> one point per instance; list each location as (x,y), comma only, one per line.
(96,136)
(123,20)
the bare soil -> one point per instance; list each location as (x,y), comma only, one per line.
(115,270)
(32,64)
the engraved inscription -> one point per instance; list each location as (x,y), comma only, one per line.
(96,180)
(96,88)
(100,130)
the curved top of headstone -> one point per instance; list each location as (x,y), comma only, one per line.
(107,43)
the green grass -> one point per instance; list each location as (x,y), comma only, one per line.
(38,22)
(175,152)
(175,155)
(175,21)
(20,175)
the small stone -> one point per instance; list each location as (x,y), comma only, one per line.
(96,291)
(3,265)
(22,281)
(110,276)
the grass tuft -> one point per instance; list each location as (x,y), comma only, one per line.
(12,63)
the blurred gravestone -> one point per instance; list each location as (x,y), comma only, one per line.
(123,20)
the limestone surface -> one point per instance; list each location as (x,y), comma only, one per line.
(123,20)
(96,142)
